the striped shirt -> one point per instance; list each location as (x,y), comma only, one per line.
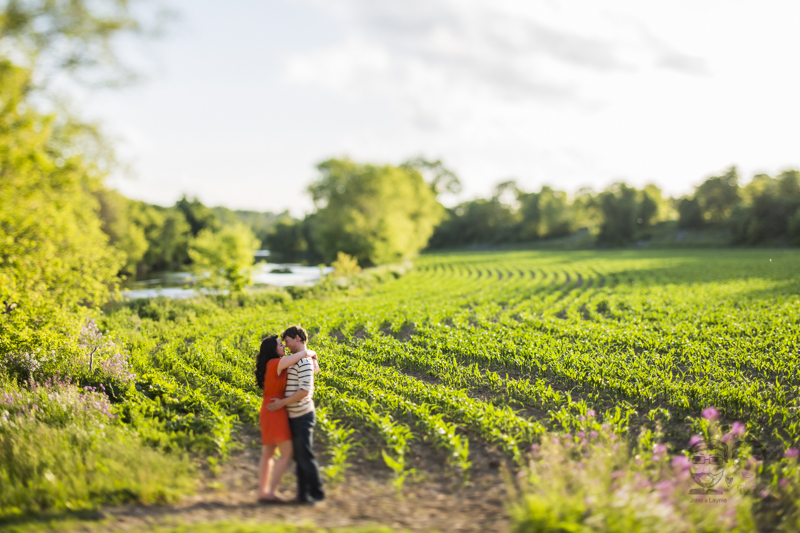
(300,376)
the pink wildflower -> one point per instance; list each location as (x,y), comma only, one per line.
(738,428)
(681,462)
(791,453)
(710,413)
(590,413)
(594,434)
(660,448)
(695,439)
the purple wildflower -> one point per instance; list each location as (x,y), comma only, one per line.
(695,439)
(791,453)
(681,462)
(738,428)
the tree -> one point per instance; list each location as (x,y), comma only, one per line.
(53,252)
(167,234)
(441,179)
(718,195)
(223,259)
(287,240)
(377,214)
(767,208)
(198,215)
(690,214)
(73,37)
(545,214)
(124,234)
(619,207)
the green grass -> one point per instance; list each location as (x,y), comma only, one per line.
(478,351)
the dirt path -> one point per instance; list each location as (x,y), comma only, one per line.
(366,497)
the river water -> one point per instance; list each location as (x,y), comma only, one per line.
(178,284)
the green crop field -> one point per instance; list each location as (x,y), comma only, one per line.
(477,350)
(589,374)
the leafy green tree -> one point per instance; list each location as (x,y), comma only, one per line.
(261,223)
(223,259)
(378,214)
(690,214)
(441,179)
(73,37)
(124,234)
(545,214)
(620,210)
(767,209)
(167,234)
(198,215)
(718,195)
(793,229)
(53,252)
(287,241)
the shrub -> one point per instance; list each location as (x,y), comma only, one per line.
(61,448)
(594,481)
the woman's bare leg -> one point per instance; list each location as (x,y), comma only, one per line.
(279,468)
(264,467)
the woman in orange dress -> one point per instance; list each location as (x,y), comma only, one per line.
(275,433)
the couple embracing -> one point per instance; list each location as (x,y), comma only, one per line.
(287,415)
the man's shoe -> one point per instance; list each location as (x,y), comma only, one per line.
(308,501)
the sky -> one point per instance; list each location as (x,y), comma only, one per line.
(241,99)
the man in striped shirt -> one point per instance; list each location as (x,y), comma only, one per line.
(302,417)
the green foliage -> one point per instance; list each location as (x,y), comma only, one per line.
(768,210)
(377,214)
(718,195)
(167,233)
(691,214)
(61,449)
(261,224)
(222,260)
(545,214)
(117,222)
(595,481)
(76,37)
(617,216)
(345,265)
(54,256)
(198,215)
(291,240)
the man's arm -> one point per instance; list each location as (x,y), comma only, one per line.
(277,403)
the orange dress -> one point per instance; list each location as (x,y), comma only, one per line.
(274,424)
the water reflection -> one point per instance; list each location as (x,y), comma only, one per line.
(176,284)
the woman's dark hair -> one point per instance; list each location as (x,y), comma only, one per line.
(267,352)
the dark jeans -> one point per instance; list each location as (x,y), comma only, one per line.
(309,485)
